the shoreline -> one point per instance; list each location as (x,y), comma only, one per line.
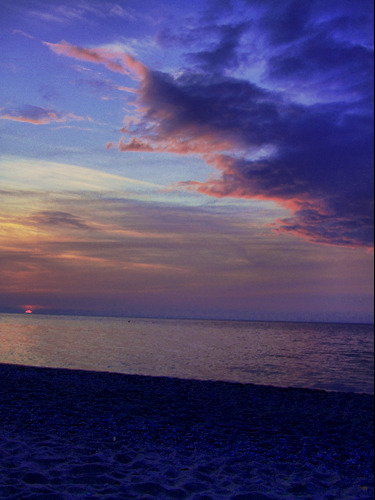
(76,434)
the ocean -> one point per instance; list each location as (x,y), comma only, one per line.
(332,357)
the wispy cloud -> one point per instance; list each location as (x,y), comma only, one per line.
(104,86)
(113,60)
(117,10)
(41,175)
(224,54)
(23,33)
(65,13)
(82,11)
(38,116)
(58,218)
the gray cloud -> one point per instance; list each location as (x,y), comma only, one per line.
(56,218)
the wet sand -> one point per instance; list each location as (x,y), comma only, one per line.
(68,434)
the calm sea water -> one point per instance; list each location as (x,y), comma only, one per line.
(336,357)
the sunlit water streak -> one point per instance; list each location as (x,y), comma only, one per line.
(338,357)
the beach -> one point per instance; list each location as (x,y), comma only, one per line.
(71,434)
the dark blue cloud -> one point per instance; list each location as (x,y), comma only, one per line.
(292,20)
(288,21)
(228,107)
(322,54)
(309,146)
(323,165)
(224,54)
(341,67)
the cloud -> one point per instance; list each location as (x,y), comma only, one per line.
(320,156)
(32,114)
(224,54)
(48,176)
(320,159)
(84,11)
(344,69)
(101,86)
(113,60)
(308,147)
(38,116)
(294,20)
(68,13)
(135,145)
(287,21)
(58,218)
(322,172)
(321,47)
(199,114)
(119,11)
(131,253)
(23,33)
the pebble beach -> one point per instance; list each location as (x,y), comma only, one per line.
(71,434)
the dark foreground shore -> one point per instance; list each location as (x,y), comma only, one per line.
(74,435)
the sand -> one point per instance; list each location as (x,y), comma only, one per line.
(68,434)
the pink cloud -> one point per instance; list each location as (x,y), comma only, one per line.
(190,139)
(114,61)
(135,66)
(312,218)
(39,116)
(50,117)
(201,146)
(126,89)
(135,145)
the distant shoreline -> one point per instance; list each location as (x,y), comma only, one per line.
(171,318)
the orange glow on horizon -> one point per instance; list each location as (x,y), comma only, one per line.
(28,311)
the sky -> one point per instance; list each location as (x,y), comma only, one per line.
(201,159)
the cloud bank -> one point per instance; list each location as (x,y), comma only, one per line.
(100,253)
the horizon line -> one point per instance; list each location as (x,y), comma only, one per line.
(185,318)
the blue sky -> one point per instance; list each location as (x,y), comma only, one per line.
(200,159)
